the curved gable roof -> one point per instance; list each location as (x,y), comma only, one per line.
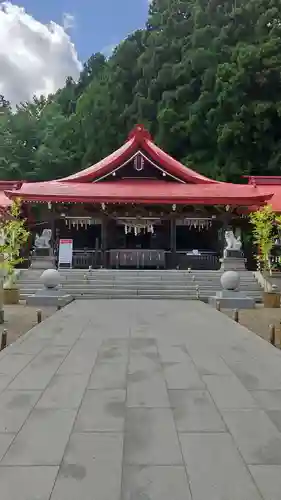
(139,140)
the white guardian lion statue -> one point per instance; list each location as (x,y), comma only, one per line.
(232,243)
(43,241)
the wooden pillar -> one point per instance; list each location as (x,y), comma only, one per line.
(104,242)
(173,242)
(53,227)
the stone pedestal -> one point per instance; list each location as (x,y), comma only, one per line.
(43,262)
(232,299)
(52,294)
(233,260)
(52,297)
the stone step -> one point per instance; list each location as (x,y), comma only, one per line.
(170,284)
(141,283)
(124,295)
(129,277)
(98,284)
(142,276)
(82,291)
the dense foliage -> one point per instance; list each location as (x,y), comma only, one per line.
(13,237)
(203,76)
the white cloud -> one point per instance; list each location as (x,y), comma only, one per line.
(35,58)
(68,21)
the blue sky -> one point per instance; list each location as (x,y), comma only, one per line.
(99,24)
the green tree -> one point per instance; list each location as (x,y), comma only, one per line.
(203,77)
(263,233)
(13,237)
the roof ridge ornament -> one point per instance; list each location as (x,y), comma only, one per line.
(139,132)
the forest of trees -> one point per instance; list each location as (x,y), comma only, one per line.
(204,77)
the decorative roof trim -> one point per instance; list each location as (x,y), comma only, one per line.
(139,152)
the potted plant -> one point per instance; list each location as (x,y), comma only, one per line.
(263,222)
(13,237)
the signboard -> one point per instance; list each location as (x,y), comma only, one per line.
(65,252)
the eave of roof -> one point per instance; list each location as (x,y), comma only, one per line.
(141,191)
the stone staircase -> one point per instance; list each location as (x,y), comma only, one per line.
(126,284)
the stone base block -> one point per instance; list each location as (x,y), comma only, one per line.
(233,254)
(49,298)
(232,300)
(233,264)
(43,263)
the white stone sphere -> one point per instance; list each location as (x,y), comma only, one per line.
(230,280)
(50,278)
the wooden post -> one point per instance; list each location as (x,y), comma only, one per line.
(173,242)
(3,340)
(236,315)
(104,242)
(272,334)
(39,316)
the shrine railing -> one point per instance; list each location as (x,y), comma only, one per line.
(144,259)
(83,259)
(208,261)
(136,258)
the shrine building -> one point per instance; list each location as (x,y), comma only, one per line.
(141,208)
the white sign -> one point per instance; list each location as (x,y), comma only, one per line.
(65,252)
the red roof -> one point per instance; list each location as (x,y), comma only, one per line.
(5,202)
(269,185)
(139,139)
(191,188)
(142,191)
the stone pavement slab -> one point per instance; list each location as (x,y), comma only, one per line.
(91,468)
(15,406)
(194,411)
(268,479)
(64,391)
(215,468)
(140,400)
(108,376)
(228,393)
(5,441)
(269,400)
(157,483)
(102,411)
(151,437)
(42,439)
(256,437)
(27,483)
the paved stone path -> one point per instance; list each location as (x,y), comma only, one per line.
(140,400)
